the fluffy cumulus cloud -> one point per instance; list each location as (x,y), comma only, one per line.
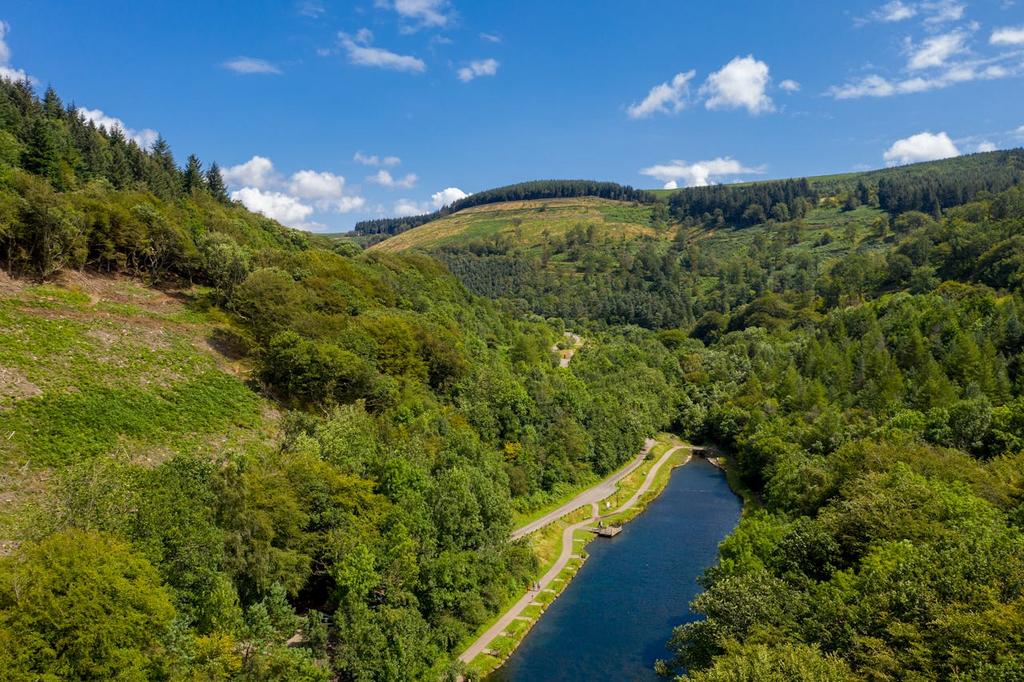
(404,208)
(447,196)
(257,172)
(1007,35)
(281,207)
(986,146)
(438,200)
(6,70)
(478,68)
(680,173)
(740,84)
(293,199)
(374,160)
(665,98)
(790,85)
(145,138)
(385,179)
(921,147)
(310,184)
(361,52)
(251,65)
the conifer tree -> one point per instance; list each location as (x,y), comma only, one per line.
(215,183)
(52,106)
(193,179)
(41,154)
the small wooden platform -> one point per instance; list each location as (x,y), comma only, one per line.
(606,531)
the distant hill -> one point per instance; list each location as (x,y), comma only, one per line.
(534,189)
(519,215)
(527,224)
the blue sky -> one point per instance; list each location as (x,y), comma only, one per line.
(331,112)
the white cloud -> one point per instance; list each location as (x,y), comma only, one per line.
(447,196)
(257,172)
(6,70)
(739,84)
(438,200)
(406,207)
(665,98)
(921,147)
(362,53)
(697,174)
(385,179)
(145,138)
(790,85)
(310,184)
(943,11)
(1019,132)
(422,13)
(477,68)
(935,51)
(250,65)
(290,200)
(962,72)
(1007,35)
(987,146)
(312,9)
(490,37)
(348,204)
(285,209)
(5,50)
(374,160)
(894,11)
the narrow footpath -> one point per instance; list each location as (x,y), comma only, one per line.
(589,496)
(480,645)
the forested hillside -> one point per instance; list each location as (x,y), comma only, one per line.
(220,434)
(854,344)
(524,191)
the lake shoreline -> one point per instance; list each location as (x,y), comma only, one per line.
(676,455)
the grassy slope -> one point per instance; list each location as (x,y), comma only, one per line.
(614,219)
(99,366)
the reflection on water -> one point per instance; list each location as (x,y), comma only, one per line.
(614,619)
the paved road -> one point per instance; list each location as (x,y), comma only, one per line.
(588,496)
(568,549)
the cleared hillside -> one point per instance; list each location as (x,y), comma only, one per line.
(528,223)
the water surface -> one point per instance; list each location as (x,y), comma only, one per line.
(614,619)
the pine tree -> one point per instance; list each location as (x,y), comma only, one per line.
(193,179)
(52,106)
(215,183)
(41,154)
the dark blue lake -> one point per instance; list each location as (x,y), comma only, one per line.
(614,619)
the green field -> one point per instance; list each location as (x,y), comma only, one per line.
(524,223)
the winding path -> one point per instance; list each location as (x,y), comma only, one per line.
(591,495)
(568,547)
